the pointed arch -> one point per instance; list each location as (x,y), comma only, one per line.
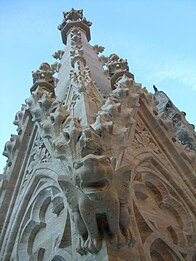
(160,209)
(41,195)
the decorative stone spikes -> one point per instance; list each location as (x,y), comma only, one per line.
(10,148)
(56,125)
(116,64)
(39,104)
(175,120)
(90,142)
(19,119)
(114,120)
(71,19)
(98,49)
(117,67)
(12,145)
(44,78)
(58,54)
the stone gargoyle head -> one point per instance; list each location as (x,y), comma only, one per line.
(94,175)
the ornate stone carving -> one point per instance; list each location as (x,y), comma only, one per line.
(75,35)
(39,103)
(98,48)
(175,120)
(98,192)
(58,54)
(44,210)
(73,16)
(10,148)
(61,129)
(44,78)
(103,59)
(80,76)
(20,118)
(117,67)
(104,161)
(39,154)
(81,79)
(90,142)
(165,225)
(116,64)
(143,139)
(114,121)
(56,67)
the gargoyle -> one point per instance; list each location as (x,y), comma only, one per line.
(98,195)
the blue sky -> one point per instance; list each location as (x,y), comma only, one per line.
(157,37)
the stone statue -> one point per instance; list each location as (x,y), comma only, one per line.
(98,193)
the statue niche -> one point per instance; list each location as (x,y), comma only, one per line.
(98,200)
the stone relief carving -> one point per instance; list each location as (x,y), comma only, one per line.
(80,76)
(144,139)
(45,209)
(75,35)
(161,215)
(39,154)
(98,192)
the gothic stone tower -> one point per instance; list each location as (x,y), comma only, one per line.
(101,169)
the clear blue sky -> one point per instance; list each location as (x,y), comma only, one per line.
(158,38)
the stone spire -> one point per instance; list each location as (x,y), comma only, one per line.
(80,62)
(97,170)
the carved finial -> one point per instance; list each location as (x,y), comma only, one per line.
(44,78)
(116,64)
(117,67)
(98,48)
(74,18)
(73,15)
(58,55)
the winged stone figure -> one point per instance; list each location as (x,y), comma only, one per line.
(98,194)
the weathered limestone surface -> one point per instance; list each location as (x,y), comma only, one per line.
(100,169)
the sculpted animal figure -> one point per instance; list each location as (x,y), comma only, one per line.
(98,194)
